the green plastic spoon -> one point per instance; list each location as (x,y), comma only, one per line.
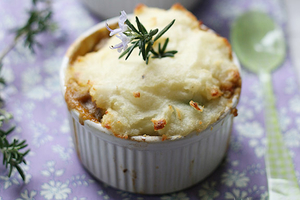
(260,46)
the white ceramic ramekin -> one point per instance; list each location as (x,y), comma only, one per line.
(111,8)
(144,164)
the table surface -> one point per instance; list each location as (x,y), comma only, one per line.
(53,171)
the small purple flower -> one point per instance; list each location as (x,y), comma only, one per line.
(124,44)
(122,26)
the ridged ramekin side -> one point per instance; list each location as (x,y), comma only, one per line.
(151,168)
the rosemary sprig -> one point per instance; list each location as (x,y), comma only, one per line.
(39,21)
(141,38)
(12,156)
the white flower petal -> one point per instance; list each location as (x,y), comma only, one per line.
(122,26)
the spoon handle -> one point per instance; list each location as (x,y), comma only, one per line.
(282,181)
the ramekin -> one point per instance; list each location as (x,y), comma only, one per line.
(144,164)
(111,8)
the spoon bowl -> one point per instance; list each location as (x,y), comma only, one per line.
(258,42)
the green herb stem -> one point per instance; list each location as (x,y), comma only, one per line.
(6,50)
(142,39)
(39,21)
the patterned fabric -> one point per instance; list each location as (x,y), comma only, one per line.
(53,170)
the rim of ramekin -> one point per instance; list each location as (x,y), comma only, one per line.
(141,138)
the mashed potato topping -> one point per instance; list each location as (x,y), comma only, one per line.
(169,96)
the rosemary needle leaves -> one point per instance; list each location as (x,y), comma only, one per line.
(12,156)
(39,21)
(141,38)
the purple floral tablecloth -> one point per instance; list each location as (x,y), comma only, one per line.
(53,170)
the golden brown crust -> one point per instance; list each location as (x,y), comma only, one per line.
(178,6)
(159,124)
(137,94)
(215,92)
(234,111)
(107,126)
(164,137)
(122,136)
(178,113)
(229,46)
(196,106)
(202,26)
(232,85)
(139,8)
